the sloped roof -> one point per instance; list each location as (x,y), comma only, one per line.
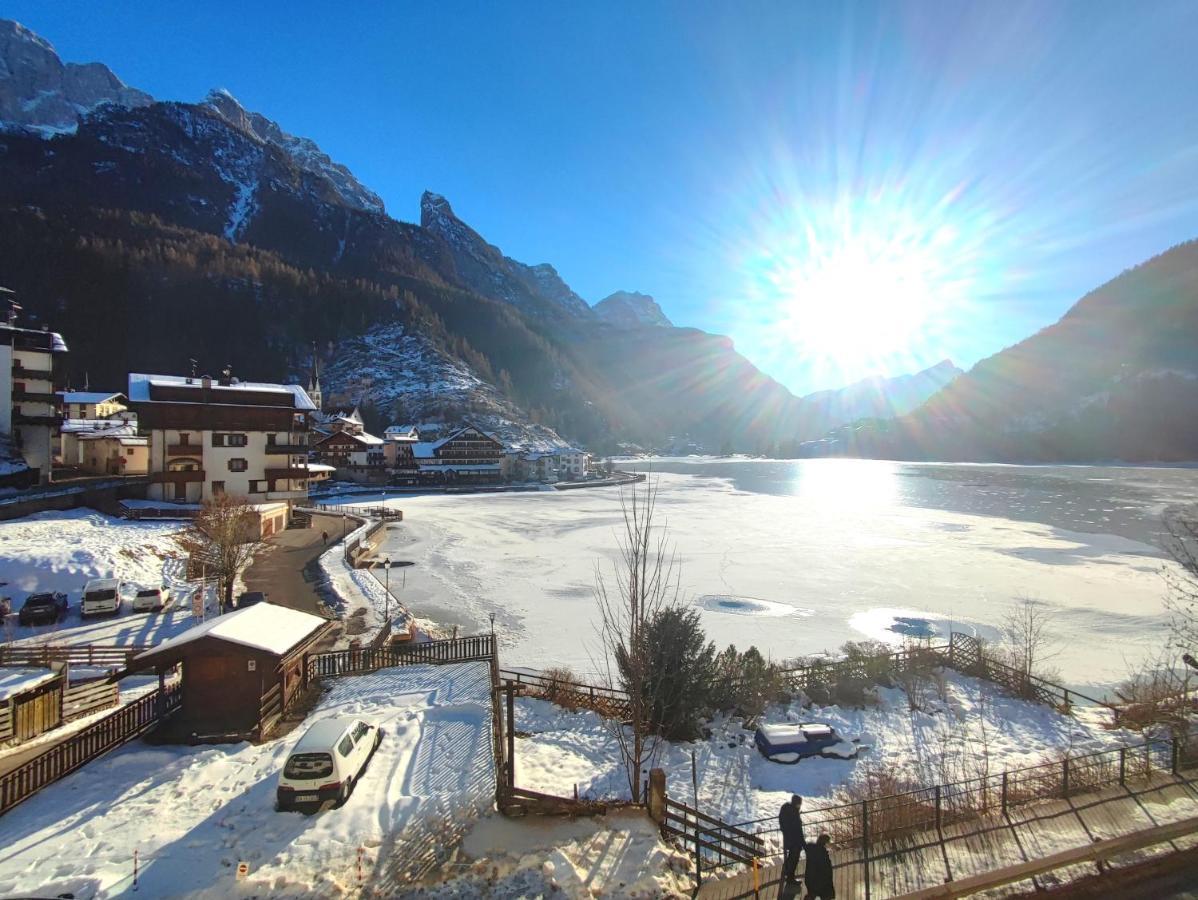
(140,384)
(89,396)
(264,626)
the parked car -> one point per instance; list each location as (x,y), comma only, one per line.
(102,595)
(43,608)
(249,598)
(790,743)
(326,762)
(151,599)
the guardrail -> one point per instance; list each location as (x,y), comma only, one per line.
(87,744)
(610,702)
(358,660)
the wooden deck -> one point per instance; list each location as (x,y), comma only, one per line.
(988,843)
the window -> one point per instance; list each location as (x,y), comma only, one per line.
(346,746)
(256,487)
(184,438)
(220,439)
(238,464)
(359,730)
(218,488)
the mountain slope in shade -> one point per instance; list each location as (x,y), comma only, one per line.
(41,93)
(630,309)
(303,151)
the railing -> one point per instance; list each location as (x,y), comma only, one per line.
(611,702)
(182,476)
(370,659)
(87,744)
(6,729)
(715,843)
(79,655)
(368,512)
(196,450)
(84,699)
(889,826)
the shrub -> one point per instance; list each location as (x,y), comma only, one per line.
(680,672)
(557,687)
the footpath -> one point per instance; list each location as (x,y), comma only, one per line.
(283,571)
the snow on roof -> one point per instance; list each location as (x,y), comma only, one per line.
(89,396)
(264,626)
(140,384)
(367,438)
(18,680)
(108,427)
(320,467)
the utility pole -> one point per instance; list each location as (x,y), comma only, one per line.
(387,601)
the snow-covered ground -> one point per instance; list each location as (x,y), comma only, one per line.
(841,555)
(63,550)
(192,814)
(975,725)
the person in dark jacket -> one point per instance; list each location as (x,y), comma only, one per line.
(818,876)
(790,822)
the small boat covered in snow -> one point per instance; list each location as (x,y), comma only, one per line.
(790,743)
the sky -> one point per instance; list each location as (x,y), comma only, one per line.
(844,189)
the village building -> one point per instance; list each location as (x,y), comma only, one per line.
(354,454)
(211,437)
(30,701)
(71,450)
(573,463)
(92,404)
(240,670)
(30,364)
(113,453)
(399,444)
(467,456)
(318,472)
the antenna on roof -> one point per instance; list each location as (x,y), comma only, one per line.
(9,296)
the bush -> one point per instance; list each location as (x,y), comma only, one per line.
(745,683)
(680,672)
(557,687)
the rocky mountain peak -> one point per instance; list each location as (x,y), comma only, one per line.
(304,152)
(631,309)
(40,93)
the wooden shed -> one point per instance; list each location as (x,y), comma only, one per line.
(30,701)
(240,670)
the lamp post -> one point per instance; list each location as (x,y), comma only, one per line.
(387,600)
(344,523)
(491,616)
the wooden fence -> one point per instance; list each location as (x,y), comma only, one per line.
(610,702)
(370,659)
(718,842)
(78,655)
(87,744)
(84,699)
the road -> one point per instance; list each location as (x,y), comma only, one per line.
(281,571)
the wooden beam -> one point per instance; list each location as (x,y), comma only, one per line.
(1093,852)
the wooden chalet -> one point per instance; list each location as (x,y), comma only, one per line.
(240,670)
(468,456)
(30,701)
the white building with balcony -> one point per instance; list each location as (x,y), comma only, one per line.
(30,409)
(211,436)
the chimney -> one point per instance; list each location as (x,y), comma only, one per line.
(205,381)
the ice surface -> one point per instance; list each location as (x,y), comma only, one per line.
(844,550)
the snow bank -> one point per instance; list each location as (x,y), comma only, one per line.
(192,814)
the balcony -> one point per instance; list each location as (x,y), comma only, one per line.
(20,373)
(33,397)
(190,476)
(288,474)
(49,421)
(196,450)
(295,446)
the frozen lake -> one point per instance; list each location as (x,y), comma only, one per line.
(799,557)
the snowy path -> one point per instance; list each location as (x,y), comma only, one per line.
(192,814)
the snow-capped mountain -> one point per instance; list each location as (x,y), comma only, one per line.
(302,151)
(631,309)
(40,93)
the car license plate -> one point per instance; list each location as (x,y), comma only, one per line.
(307,798)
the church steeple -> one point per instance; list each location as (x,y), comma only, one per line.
(314,380)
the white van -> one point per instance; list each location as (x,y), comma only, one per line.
(100,596)
(326,762)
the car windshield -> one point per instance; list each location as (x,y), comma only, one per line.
(102,595)
(40,600)
(303,766)
(147,593)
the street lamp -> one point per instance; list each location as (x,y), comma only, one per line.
(491,616)
(387,599)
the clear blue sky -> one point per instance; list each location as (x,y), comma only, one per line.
(765,170)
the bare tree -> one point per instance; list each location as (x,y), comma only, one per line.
(225,536)
(1028,636)
(643,582)
(1181,543)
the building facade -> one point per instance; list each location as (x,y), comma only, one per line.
(92,404)
(210,437)
(30,366)
(467,456)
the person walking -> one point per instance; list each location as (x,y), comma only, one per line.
(790,822)
(818,876)
(324,538)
